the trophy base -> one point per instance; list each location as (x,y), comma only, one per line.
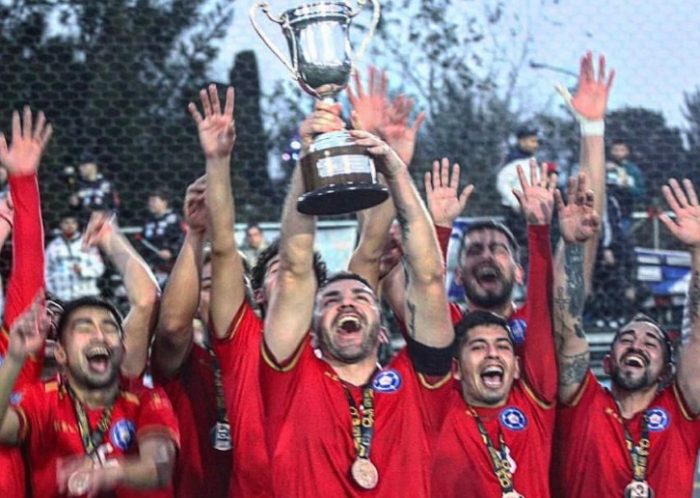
(342,199)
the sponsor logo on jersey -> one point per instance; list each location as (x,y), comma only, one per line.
(513,418)
(658,419)
(122,434)
(387,381)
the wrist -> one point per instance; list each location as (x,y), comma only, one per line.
(218,161)
(592,128)
(15,362)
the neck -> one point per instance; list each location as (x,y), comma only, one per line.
(95,398)
(357,374)
(633,402)
(505,310)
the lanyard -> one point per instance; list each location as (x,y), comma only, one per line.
(499,460)
(221,415)
(639,452)
(362,420)
(91,440)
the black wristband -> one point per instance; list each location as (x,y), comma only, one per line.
(429,360)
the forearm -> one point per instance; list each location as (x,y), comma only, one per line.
(592,162)
(221,206)
(9,373)
(374,234)
(139,473)
(297,232)
(688,365)
(27,275)
(573,355)
(141,286)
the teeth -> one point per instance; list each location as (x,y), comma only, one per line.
(97,351)
(493,371)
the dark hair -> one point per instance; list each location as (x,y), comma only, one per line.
(492,225)
(344,275)
(667,340)
(477,318)
(252,224)
(83,302)
(526,131)
(162,192)
(620,141)
(257,274)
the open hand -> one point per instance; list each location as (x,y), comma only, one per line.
(369,108)
(444,203)
(536,197)
(684,203)
(28,331)
(396,129)
(217,129)
(99,230)
(28,143)
(578,221)
(591,99)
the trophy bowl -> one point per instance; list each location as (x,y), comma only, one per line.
(339,176)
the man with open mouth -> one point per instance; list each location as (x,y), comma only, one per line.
(84,433)
(641,437)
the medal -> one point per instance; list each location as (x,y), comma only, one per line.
(512,494)
(364,473)
(79,482)
(221,436)
(638,489)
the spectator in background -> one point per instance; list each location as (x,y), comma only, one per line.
(625,181)
(254,243)
(91,190)
(162,234)
(72,272)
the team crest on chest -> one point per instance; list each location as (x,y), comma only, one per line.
(658,419)
(122,434)
(15,399)
(387,381)
(518,327)
(513,418)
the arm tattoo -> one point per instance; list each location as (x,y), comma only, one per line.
(573,266)
(411,318)
(572,369)
(694,297)
(403,222)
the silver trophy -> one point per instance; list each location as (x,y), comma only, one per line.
(339,176)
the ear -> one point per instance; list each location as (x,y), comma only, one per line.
(516,373)
(519,274)
(607,364)
(60,355)
(456,370)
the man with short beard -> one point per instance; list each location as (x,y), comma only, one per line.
(336,423)
(640,438)
(84,433)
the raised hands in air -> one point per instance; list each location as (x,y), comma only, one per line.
(444,201)
(28,142)
(217,128)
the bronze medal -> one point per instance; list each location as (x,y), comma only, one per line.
(364,473)
(79,482)
(638,489)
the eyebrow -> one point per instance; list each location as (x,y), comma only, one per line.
(634,333)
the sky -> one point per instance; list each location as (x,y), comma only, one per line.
(653,45)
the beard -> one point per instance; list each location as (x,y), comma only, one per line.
(630,384)
(489,299)
(349,354)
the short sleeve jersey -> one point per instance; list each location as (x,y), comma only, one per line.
(200,468)
(309,427)
(462,466)
(239,357)
(590,451)
(50,430)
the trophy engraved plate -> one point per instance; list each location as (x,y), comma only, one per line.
(338,176)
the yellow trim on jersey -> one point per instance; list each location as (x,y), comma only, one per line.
(131,398)
(233,327)
(272,363)
(681,402)
(444,380)
(581,389)
(533,396)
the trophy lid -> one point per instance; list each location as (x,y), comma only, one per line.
(341,11)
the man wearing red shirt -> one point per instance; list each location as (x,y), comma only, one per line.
(86,434)
(337,424)
(21,158)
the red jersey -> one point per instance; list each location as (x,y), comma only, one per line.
(49,428)
(200,470)
(590,452)
(309,427)
(239,356)
(26,281)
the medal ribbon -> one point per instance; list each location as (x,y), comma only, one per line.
(221,415)
(499,460)
(639,452)
(91,440)
(362,421)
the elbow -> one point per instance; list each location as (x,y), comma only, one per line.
(147,300)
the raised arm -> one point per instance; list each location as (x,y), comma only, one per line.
(217,136)
(141,288)
(181,295)
(291,306)
(588,107)
(428,318)
(686,228)
(578,223)
(21,158)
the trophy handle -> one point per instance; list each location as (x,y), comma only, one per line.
(265,7)
(376,11)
